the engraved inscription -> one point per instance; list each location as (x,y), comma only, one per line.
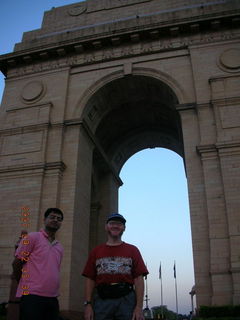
(22,143)
(34,115)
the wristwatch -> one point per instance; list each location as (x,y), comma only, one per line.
(87,302)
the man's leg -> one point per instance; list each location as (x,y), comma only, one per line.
(126,307)
(51,309)
(115,309)
(104,309)
(31,307)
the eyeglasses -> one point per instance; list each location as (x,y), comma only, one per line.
(59,219)
(114,222)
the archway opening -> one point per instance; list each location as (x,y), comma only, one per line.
(154,201)
(126,116)
(130,114)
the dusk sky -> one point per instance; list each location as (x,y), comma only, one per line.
(154,196)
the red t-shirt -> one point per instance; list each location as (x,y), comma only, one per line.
(110,264)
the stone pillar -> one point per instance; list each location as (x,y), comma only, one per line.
(76,200)
(109,186)
(218,227)
(230,165)
(94,230)
(226,101)
(198,205)
(81,218)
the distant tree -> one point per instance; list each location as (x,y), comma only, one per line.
(159,311)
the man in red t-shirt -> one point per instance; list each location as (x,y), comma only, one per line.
(116,269)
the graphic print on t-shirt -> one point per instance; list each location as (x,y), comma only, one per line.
(114,265)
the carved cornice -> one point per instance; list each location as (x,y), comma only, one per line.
(219,149)
(228,148)
(218,273)
(226,101)
(222,78)
(207,151)
(57,165)
(37,168)
(25,129)
(186,106)
(39,105)
(170,35)
(31,128)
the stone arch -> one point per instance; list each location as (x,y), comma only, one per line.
(83,100)
(125,115)
(176,87)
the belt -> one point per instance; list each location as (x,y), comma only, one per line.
(114,290)
(117,284)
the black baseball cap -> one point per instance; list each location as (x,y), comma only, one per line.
(116,216)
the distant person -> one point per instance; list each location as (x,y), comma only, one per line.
(37,268)
(116,269)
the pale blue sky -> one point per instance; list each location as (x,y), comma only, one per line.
(154,195)
(155,202)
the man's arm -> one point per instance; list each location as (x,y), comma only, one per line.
(139,289)
(17,268)
(88,291)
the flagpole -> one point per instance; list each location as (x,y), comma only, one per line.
(161,300)
(146,296)
(175,277)
(160,277)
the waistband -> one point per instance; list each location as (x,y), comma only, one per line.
(115,284)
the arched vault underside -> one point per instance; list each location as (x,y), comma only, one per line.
(137,112)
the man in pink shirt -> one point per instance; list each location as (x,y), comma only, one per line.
(37,267)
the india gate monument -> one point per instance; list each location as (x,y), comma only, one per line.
(100,81)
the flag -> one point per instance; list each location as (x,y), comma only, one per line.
(174,270)
(160,271)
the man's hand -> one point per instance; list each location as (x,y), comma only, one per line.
(88,290)
(88,312)
(137,314)
(17,269)
(139,289)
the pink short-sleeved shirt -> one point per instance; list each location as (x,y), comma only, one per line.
(41,272)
